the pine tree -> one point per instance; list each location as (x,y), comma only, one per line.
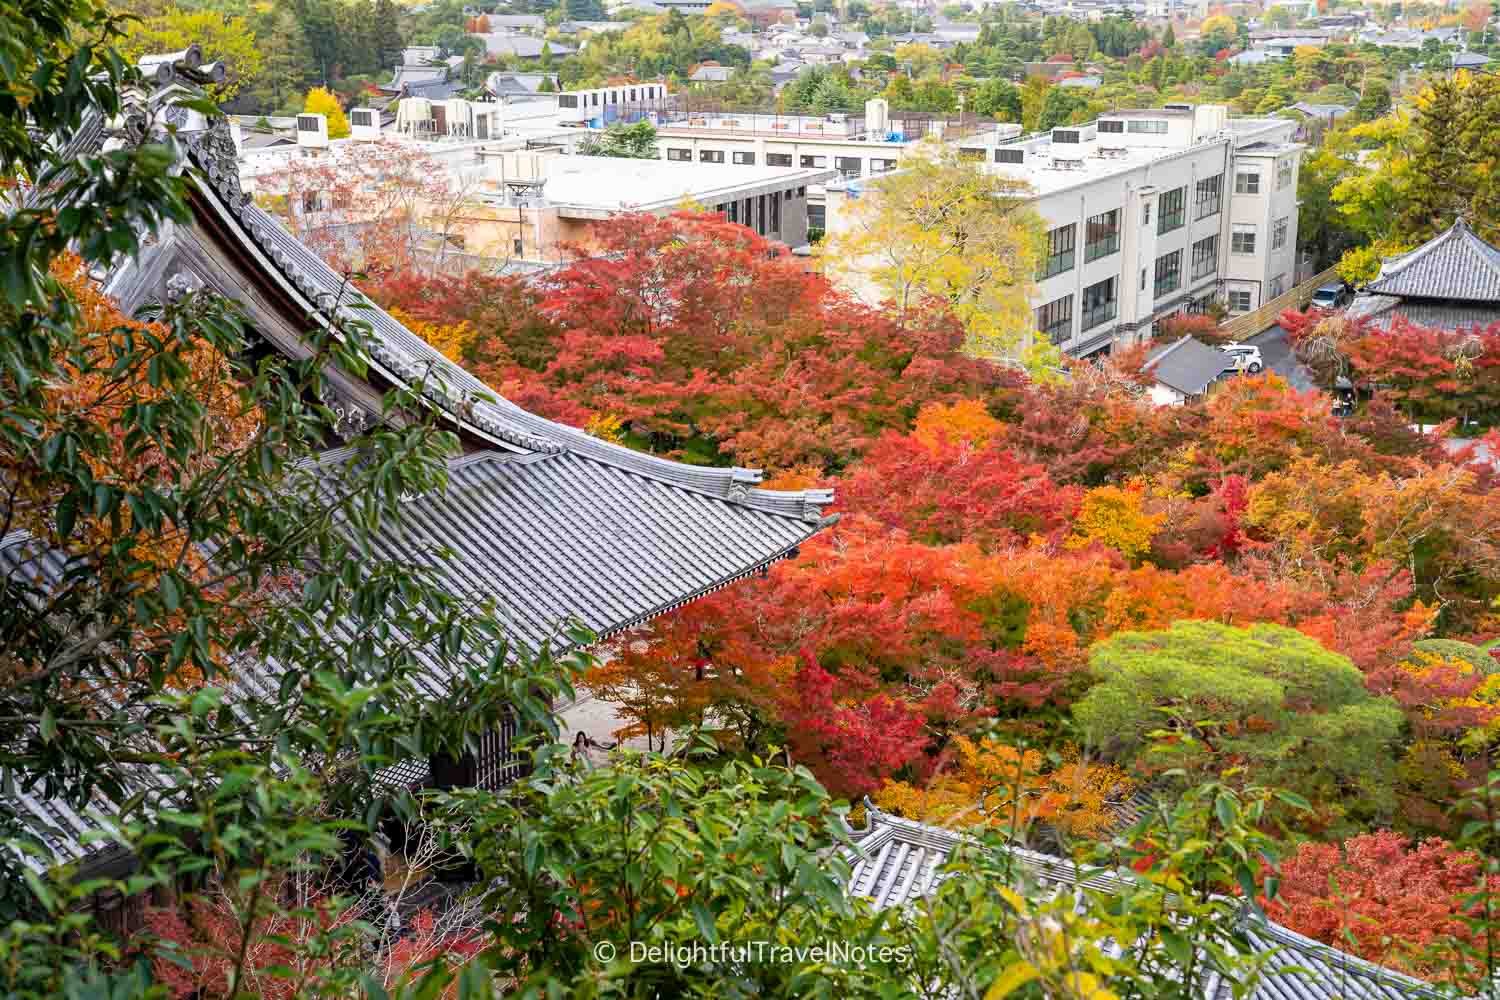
(286,54)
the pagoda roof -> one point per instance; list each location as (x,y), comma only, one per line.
(1456,265)
(547,524)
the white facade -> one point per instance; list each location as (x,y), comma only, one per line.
(1142,212)
(857,146)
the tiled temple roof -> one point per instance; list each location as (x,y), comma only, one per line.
(896,861)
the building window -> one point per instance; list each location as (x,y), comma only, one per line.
(815,161)
(1111,126)
(1278,285)
(1173,211)
(568,101)
(1239,301)
(778,159)
(849,166)
(743,159)
(1055,319)
(1209,196)
(774,226)
(802,193)
(1278,232)
(679,155)
(1205,257)
(1168,273)
(1148,126)
(1242,239)
(882,166)
(1146,213)
(1247,182)
(1101,235)
(517,248)
(1061,243)
(1099,303)
(710,156)
(1283,173)
(1065,135)
(1010,156)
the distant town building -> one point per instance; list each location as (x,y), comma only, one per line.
(1150,213)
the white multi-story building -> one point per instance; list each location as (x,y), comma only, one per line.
(1151,213)
(855,145)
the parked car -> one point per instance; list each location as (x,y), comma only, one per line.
(1242,358)
(1328,297)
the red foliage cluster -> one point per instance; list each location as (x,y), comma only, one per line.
(194,951)
(701,336)
(993,528)
(1433,374)
(1389,899)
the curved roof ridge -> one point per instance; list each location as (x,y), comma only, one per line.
(1456,264)
(405,357)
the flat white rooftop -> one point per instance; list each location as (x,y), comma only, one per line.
(610,184)
(1050,166)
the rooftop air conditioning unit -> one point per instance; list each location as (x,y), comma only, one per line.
(312,131)
(364,123)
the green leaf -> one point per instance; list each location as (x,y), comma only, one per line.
(705,922)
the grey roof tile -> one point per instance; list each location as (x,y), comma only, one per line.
(1383,311)
(1456,264)
(895,861)
(551,524)
(1187,365)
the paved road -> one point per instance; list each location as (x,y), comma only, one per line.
(1277,354)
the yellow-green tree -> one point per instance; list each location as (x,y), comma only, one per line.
(322,101)
(1426,163)
(944,230)
(226,39)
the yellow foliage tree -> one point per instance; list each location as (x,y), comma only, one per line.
(223,38)
(1115,516)
(322,101)
(966,422)
(93,386)
(1361,265)
(1218,24)
(605,427)
(943,230)
(995,784)
(451,339)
